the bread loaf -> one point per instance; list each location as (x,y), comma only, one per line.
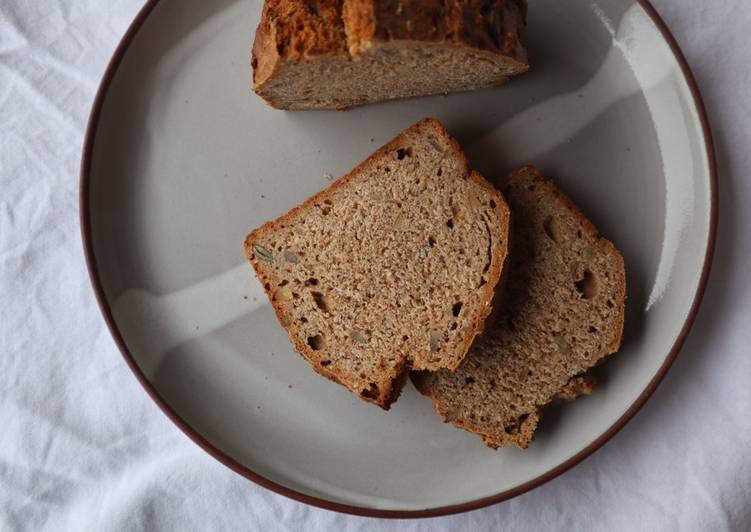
(334,54)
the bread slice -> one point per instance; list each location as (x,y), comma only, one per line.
(392,267)
(562,314)
(334,54)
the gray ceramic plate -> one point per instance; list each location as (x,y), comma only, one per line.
(182,160)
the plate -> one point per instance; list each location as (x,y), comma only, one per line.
(182,160)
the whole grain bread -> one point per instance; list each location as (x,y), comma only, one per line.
(392,267)
(562,314)
(334,54)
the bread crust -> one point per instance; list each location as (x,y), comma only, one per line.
(392,383)
(492,26)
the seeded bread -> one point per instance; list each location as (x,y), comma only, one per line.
(334,54)
(392,267)
(562,314)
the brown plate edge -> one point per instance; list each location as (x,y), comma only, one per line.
(358,510)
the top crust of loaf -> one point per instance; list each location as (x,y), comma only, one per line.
(562,314)
(493,26)
(296,30)
(394,357)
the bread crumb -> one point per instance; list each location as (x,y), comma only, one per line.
(328,177)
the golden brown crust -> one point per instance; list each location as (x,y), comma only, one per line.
(359,25)
(293,30)
(492,26)
(264,57)
(306,29)
(392,383)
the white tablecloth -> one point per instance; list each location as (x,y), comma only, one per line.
(82,447)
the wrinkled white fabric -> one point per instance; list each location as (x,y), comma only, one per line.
(82,447)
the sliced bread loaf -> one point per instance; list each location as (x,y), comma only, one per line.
(334,54)
(562,314)
(392,267)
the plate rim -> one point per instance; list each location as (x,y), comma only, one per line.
(91,265)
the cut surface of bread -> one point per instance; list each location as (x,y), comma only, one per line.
(562,314)
(392,267)
(335,54)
